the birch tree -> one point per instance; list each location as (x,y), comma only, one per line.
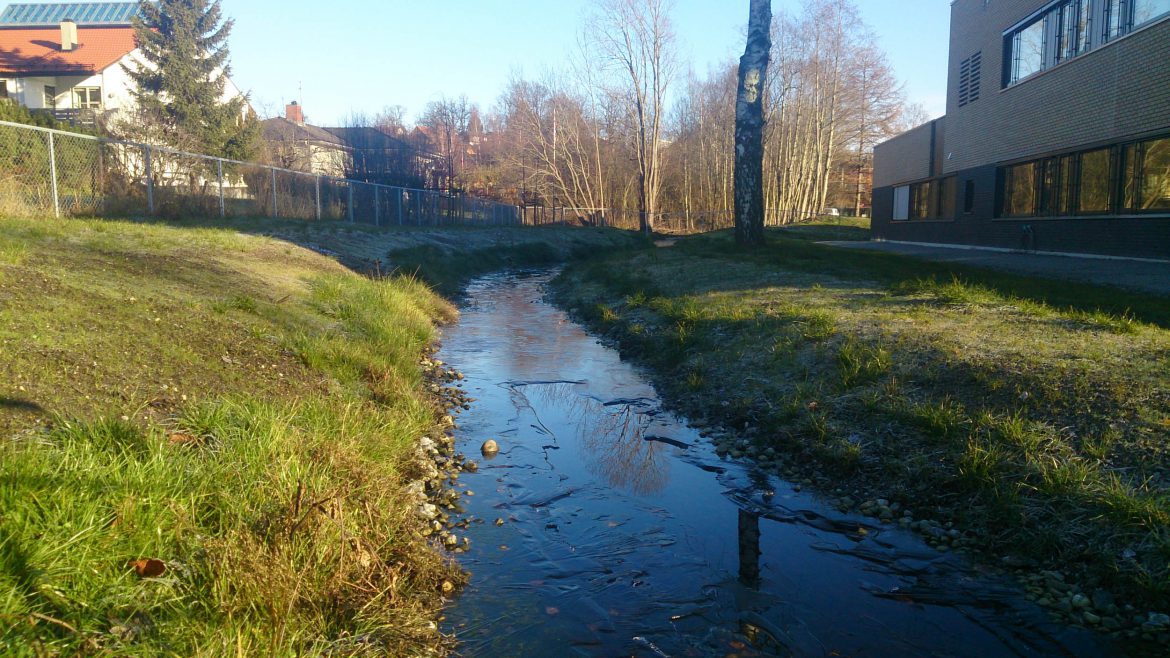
(749,127)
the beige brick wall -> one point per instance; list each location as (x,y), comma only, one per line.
(903,158)
(1108,94)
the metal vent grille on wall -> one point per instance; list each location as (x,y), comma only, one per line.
(970,74)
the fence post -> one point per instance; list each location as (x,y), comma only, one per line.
(149,183)
(53,175)
(377,205)
(222,205)
(275,208)
(400,206)
(318,197)
(349,208)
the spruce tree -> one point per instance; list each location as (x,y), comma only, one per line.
(181,80)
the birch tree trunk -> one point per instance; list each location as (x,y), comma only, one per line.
(749,127)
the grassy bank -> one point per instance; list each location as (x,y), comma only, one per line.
(1031,415)
(443,257)
(206,440)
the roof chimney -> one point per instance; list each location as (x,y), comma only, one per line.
(294,113)
(68,35)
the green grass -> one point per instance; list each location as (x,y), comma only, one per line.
(1032,413)
(237,407)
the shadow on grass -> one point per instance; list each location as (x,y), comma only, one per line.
(17,404)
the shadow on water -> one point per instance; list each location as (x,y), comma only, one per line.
(621,533)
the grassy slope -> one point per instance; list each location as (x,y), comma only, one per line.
(243,410)
(1032,413)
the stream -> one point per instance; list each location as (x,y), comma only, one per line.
(624,534)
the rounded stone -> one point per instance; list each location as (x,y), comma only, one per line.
(490,448)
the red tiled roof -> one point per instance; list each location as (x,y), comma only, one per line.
(37,51)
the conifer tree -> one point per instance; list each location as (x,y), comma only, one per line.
(182,76)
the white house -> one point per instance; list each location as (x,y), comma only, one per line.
(70,58)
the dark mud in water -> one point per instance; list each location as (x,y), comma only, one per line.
(625,535)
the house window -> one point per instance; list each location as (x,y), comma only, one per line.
(87,98)
(1093,181)
(50,97)
(3,89)
(1019,190)
(901,203)
(969,196)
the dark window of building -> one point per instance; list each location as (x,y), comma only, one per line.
(922,201)
(1094,175)
(946,198)
(50,97)
(1129,158)
(1155,175)
(969,196)
(3,89)
(1019,190)
(970,75)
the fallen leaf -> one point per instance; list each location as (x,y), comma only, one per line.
(148,568)
(179,438)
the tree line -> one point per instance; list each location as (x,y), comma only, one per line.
(624,126)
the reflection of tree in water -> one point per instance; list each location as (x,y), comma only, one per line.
(614,440)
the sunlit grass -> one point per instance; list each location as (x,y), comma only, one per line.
(240,409)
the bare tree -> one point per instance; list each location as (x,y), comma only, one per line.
(448,119)
(636,38)
(749,126)
(877,100)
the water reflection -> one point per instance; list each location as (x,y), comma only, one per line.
(613,434)
(749,548)
(622,533)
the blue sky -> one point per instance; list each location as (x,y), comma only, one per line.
(344,55)
(367,54)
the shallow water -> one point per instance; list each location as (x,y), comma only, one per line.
(625,535)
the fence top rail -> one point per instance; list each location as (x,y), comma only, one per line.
(186,154)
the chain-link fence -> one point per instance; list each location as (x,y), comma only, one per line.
(52,172)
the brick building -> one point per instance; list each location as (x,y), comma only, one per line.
(1056,138)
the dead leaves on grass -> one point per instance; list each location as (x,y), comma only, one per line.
(148,568)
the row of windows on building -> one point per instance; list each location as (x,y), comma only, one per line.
(1130,178)
(1123,179)
(1067,28)
(84,98)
